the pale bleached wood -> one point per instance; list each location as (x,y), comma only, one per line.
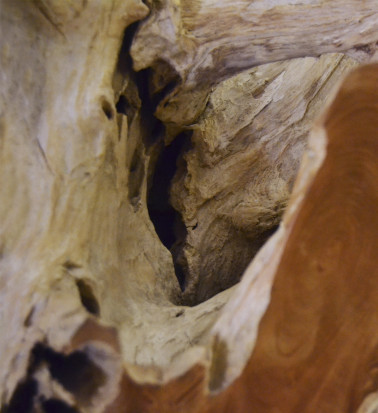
(316,346)
(252,134)
(87,289)
(370,404)
(75,236)
(202,42)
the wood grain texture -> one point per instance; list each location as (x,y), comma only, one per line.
(252,134)
(317,344)
(75,236)
(199,43)
(90,312)
(316,348)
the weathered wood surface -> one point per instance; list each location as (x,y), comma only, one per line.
(86,286)
(317,345)
(192,45)
(232,186)
(76,240)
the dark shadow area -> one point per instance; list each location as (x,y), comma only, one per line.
(75,372)
(128,101)
(152,127)
(266,235)
(124,107)
(136,177)
(22,400)
(57,406)
(87,297)
(150,90)
(107,109)
(161,212)
(143,92)
(167,221)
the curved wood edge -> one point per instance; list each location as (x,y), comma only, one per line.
(316,349)
(317,344)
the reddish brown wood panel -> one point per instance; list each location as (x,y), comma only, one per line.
(317,348)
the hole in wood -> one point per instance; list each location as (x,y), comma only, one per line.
(70,265)
(86,381)
(239,244)
(125,108)
(87,297)
(29,318)
(57,406)
(167,221)
(212,230)
(107,109)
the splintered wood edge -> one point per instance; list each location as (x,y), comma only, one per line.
(230,367)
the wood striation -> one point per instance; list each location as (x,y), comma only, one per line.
(316,347)
(195,44)
(232,186)
(91,313)
(317,344)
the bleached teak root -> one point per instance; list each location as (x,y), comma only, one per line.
(91,317)
(316,346)
(252,134)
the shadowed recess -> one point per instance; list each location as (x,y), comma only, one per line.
(57,406)
(22,400)
(88,377)
(167,221)
(87,297)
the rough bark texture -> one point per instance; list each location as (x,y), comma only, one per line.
(138,158)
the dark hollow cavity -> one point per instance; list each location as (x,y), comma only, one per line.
(57,406)
(87,297)
(88,377)
(166,219)
(22,400)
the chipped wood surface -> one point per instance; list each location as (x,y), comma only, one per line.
(87,286)
(316,347)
